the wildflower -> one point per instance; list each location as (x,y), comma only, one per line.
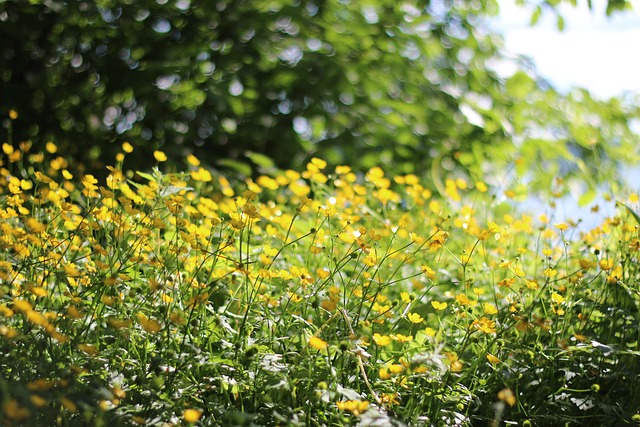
(451,190)
(506,395)
(415,318)
(454,363)
(38,401)
(406,297)
(14,411)
(485,325)
(317,343)
(561,226)
(127,147)
(438,306)
(191,415)
(463,300)
(402,338)
(201,175)
(268,182)
(389,399)
(159,156)
(557,298)
(396,369)
(430,332)
(370,260)
(150,325)
(606,264)
(489,308)
(428,272)
(51,147)
(383,373)
(586,264)
(13,114)
(356,407)
(68,404)
(236,222)
(381,340)
(615,275)
(531,284)
(507,282)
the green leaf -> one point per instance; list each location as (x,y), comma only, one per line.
(586,198)
(520,84)
(535,16)
(259,159)
(242,168)
(146,176)
(631,211)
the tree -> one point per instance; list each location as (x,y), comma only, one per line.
(412,85)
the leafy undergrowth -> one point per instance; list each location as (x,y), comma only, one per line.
(313,298)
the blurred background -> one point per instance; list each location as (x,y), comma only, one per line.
(254,86)
(592,51)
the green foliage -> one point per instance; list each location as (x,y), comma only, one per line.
(411,85)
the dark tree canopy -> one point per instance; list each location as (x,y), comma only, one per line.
(408,84)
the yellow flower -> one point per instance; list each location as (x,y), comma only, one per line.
(317,343)
(370,260)
(14,411)
(356,407)
(606,264)
(267,182)
(191,415)
(406,297)
(463,300)
(13,114)
(38,401)
(317,163)
(160,156)
(402,338)
(68,404)
(396,369)
(414,318)
(489,308)
(383,374)
(586,264)
(150,325)
(381,340)
(507,396)
(561,226)
(50,147)
(202,175)
(438,305)
(557,298)
(193,160)
(428,271)
(454,363)
(127,148)
(485,325)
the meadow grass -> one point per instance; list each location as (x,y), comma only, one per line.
(306,298)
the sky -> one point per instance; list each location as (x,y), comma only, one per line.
(594,51)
